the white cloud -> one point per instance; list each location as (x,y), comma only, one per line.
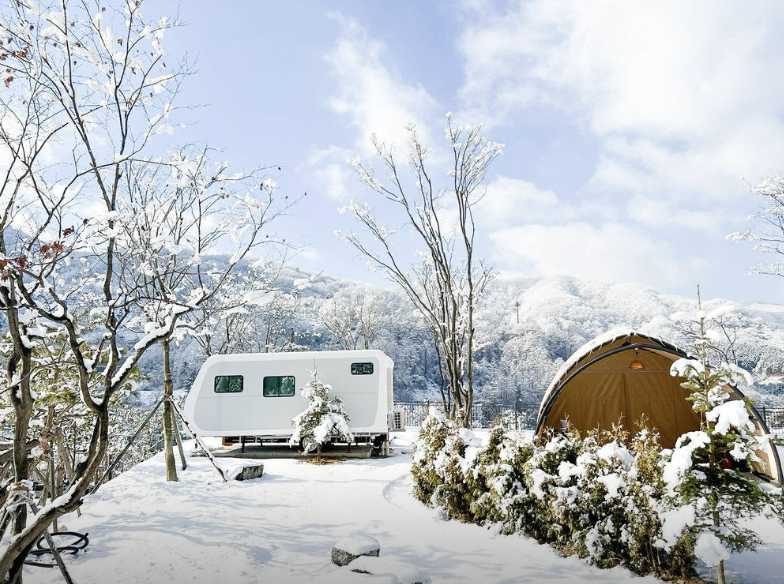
(610,252)
(377,101)
(334,178)
(332,172)
(657,212)
(684,97)
(511,200)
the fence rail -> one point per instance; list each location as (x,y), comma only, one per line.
(774,418)
(521,416)
(483,415)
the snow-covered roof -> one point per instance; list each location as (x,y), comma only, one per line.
(596,343)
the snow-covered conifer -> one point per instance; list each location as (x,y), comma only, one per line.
(324,419)
(711,492)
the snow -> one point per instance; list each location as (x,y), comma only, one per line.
(740,452)
(329,424)
(674,522)
(282,527)
(681,459)
(538,478)
(731,414)
(613,482)
(567,470)
(709,549)
(393,570)
(683,367)
(615,451)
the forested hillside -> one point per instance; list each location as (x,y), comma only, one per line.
(526,328)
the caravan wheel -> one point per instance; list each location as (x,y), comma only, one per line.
(379,443)
(308,446)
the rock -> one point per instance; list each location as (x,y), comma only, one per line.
(246,472)
(349,549)
(392,569)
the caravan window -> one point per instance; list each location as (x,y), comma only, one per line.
(228,383)
(362,369)
(279,386)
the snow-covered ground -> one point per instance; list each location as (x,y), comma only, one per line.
(280,529)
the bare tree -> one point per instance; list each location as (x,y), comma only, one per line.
(87,90)
(180,215)
(274,322)
(726,326)
(526,366)
(768,233)
(448,282)
(352,319)
(248,314)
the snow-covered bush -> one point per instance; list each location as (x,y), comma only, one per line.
(324,420)
(542,476)
(602,496)
(451,496)
(509,484)
(642,523)
(432,439)
(588,504)
(496,482)
(439,468)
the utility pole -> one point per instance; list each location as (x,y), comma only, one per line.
(517,310)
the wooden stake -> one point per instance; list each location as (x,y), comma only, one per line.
(127,446)
(176,408)
(50,542)
(178,440)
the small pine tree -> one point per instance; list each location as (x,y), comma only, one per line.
(707,474)
(324,420)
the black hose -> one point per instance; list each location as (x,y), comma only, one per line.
(79,542)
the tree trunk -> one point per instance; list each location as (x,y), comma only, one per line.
(22,413)
(13,556)
(168,433)
(19,370)
(720,578)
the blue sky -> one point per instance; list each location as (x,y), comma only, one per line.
(633,132)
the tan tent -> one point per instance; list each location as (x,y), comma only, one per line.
(621,376)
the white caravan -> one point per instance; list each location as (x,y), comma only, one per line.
(255,395)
